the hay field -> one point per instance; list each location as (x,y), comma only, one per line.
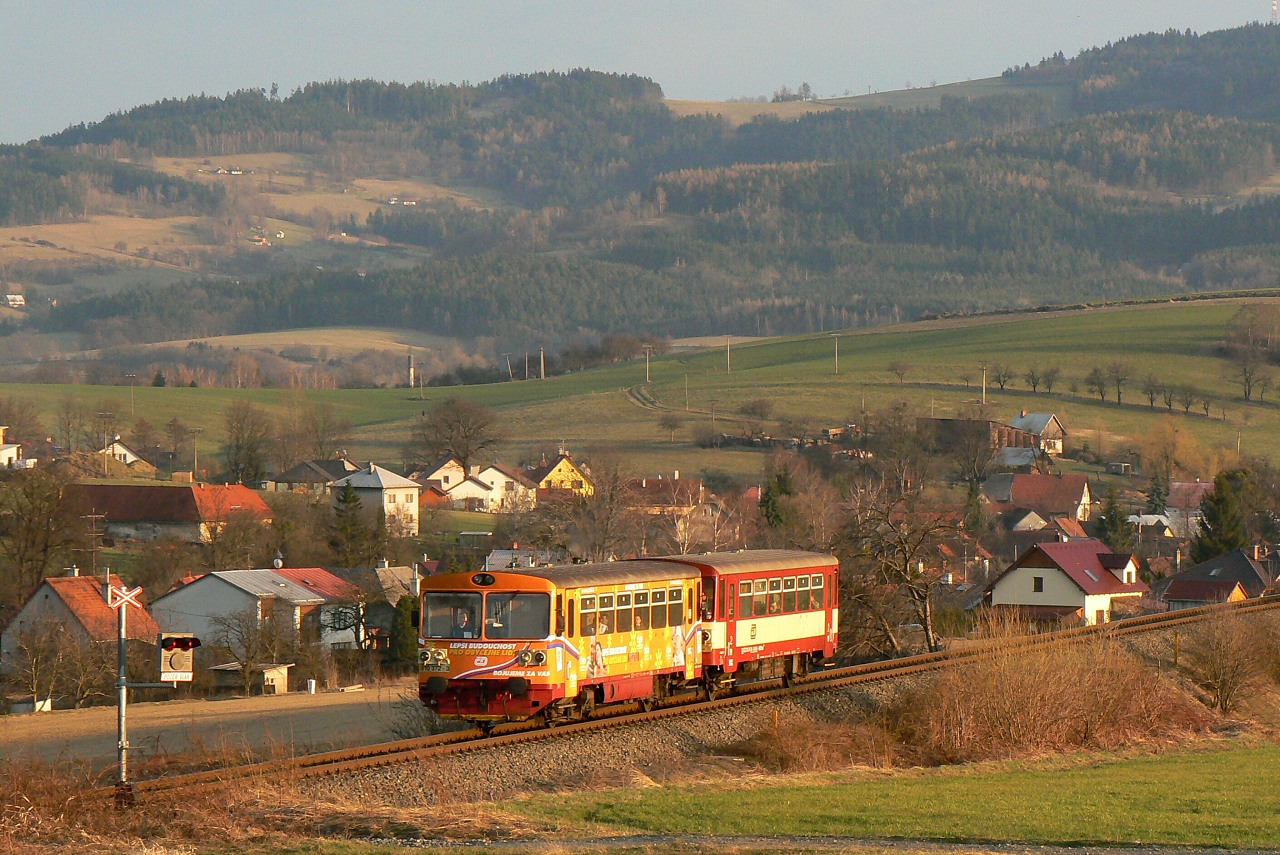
(338,340)
(741,112)
(97,237)
(929,97)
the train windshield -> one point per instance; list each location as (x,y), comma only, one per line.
(517,615)
(450,615)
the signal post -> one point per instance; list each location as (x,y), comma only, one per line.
(176,665)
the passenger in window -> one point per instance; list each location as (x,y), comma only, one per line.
(602,626)
(775,604)
(641,623)
(704,608)
(462,625)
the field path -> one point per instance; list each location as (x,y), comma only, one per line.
(292,723)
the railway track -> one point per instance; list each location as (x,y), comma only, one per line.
(423,748)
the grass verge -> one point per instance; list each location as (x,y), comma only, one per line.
(1215,797)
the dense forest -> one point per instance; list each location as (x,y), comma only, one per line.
(620,216)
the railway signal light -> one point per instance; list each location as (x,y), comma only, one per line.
(177,661)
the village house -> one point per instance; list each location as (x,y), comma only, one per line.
(561,475)
(310,601)
(1047,495)
(1182,508)
(376,488)
(512,490)
(194,513)
(1050,435)
(78,605)
(10,452)
(445,473)
(1080,580)
(310,476)
(380,590)
(1215,580)
(137,466)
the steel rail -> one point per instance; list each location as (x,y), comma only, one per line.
(621,715)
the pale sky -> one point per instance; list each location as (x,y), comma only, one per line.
(63,63)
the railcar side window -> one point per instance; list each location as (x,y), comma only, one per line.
(588,606)
(659,609)
(815,592)
(517,615)
(789,594)
(775,596)
(761,598)
(802,595)
(744,599)
(624,613)
(604,616)
(723,603)
(571,626)
(642,611)
(675,607)
(450,615)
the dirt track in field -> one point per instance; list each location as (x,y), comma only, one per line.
(294,723)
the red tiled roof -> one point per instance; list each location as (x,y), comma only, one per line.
(1085,563)
(174,503)
(1070,526)
(84,597)
(1048,492)
(322,583)
(1187,495)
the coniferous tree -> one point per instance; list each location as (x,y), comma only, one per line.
(352,537)
(1223,527)
(1157,495)
(403,647)
(1115,530)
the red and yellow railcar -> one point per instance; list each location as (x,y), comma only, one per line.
(766,614)
(557,641)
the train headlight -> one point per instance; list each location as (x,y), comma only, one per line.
(524,657)
(539,658)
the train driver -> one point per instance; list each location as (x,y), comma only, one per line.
(462,625)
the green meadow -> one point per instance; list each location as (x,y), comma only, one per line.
(611,407)
(1222,797)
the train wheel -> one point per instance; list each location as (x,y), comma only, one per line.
(646,704)
(587,705)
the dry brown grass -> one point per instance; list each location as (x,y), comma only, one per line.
(803,744)
(1019,702)
(741,112)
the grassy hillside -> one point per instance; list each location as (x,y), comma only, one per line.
(593,410)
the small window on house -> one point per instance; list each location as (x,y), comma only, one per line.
(577,484)
(1037,584)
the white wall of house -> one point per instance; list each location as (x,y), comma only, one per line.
(43,605)
(469,490)
(450,474)
(192,608)
(1017,587)
(508,493)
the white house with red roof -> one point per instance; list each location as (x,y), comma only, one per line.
(1083,578)
(190,512)
(79,604)
(310,600)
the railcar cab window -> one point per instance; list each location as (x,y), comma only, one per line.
(815,592)
(624,613)
(789,594)
(588,607)
(642,611)
(451,615)
(517,615)
(659,611)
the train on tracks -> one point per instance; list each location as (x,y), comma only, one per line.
(557,642)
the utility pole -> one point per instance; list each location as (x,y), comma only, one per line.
(836,338)
(131,377)
(728,369)
(526,365)
(106,439)
(510,374)
(648,349)
(195,453)
(686,393)
(542,364)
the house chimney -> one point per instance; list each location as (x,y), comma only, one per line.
(1022,415)
(383,564)
(74,571)
(1257,552)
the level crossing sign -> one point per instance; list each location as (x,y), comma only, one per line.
(117,597)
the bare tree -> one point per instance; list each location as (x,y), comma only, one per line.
(671,423)
(73,423)
(38,657)
(754,414)
(600,526)
(1118,374)
(1248,370)
(1151,388)
(893,536)
(899,368)
(1034,378)
(455,426)
(39,529)
(254,637)
(1167,394)
(247,442)
(1223,655)
(1187,398)
(1096,382)
(1001,374)
(1050,377)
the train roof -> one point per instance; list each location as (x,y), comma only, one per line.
(605,573)
(755,560)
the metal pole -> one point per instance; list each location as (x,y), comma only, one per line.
(124,793)
(836,337)
(647,350)
(728,369)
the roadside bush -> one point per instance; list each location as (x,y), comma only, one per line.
(1227,656)
(801,744)
(1019,702)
